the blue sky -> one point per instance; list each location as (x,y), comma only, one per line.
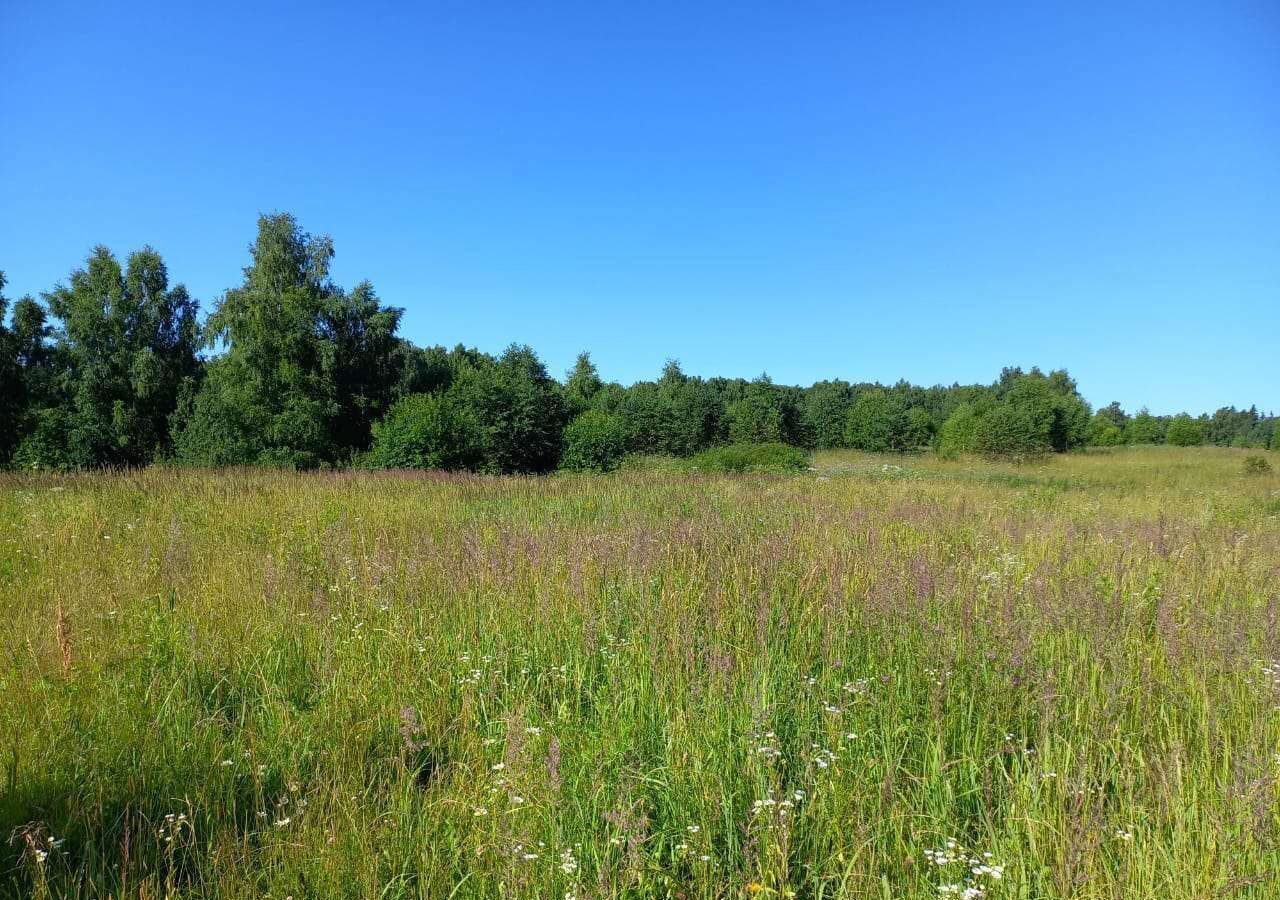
(865,191)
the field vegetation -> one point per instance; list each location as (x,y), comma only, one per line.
(882,676)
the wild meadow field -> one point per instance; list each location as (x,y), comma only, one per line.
(888,677)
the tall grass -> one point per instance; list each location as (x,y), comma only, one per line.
(865,681)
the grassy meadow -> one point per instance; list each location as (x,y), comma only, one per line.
(887,677)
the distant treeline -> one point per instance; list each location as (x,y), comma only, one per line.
(114,368)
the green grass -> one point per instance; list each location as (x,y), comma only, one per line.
(649,684)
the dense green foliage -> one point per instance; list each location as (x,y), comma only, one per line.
(959,434)
(1184,431)
(1027,414)
(756,417)
(427,431)
(114,369)
(595,441)
(824,412)
(1103,431)
(104,391)
(880,420)
(308,367)
(519,407)
(771,457)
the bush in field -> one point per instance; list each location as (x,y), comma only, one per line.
(757,417)
(877,422)
(1255,464)
(823,412)
(1184,431)
(771,457)
(959,434)
(1012,432)
(427,431)
(1110,436)
(1032,414)
(1103,431)
(1144,428)
(595,441)
(45,447)
(918,428)
(999,430)
(675,415)
(519,407)
(1049,407)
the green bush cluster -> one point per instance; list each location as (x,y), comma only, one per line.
(1184,431)
(768,457)
(1029,415)
(595,441)
(427,431)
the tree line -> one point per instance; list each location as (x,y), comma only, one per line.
(114,368)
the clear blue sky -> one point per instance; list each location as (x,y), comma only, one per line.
(855,190)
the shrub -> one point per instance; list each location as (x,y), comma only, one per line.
(919,428)
(1184,431)
(1034,415)
(1012,432)
(1144,428)
(771,457)
(823,412)
(877,422)
(519,409)
(1256,464)
(595,441)
(427,431)
(1048,414)
(757,417)
(223,424)
(1103,431)
(1110,436)
(45,448)
(959,434)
